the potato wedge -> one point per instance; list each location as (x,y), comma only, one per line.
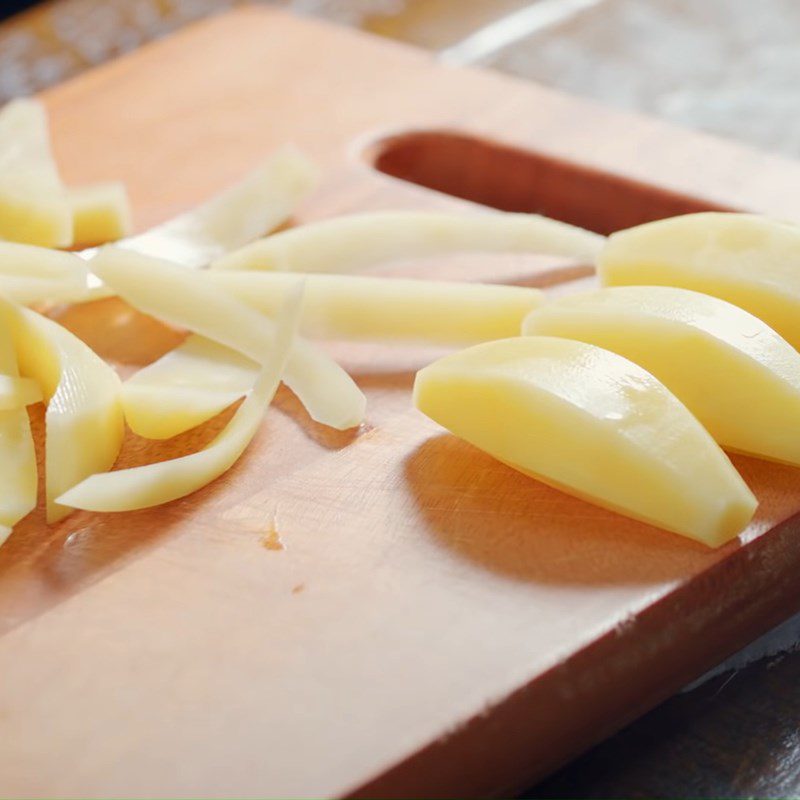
(354,242)
(153,484)
(593,424)
(748,260)
(730,369)
(360,307)
(33,203)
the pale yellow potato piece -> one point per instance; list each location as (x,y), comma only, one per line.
(16,392)
(18,473)
(730,369)
(200,378)
(264,199)
(84,423)
(33,203)
(593,424)
(354,242)
(101,213)
(153,484)
(358,307)
(186,387)
(31,274)
(180,297)
(748,260)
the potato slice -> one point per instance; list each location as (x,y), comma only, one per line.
(84,420)
(179,297)
(33,203)
(593,424)
(730,369)
(17,453)
(30,274)
(101,213)
(355,242)
(748,260)
(265,198)
(153,484)
(186,387)
(16,392)
(358,307)
(262,200)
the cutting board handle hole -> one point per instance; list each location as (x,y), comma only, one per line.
(511,179)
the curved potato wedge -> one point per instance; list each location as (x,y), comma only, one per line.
(360,307)
(84,423)
(153,484)
(33,203)
(31,274)
(593,424)
(179,297)
(354,242)
(748,260)
(730,369)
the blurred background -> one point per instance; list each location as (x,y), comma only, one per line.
(729,67)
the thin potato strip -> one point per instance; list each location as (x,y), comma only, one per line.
(175,295)
(359,307)
(186,387)
(30,274)
(33,204)
(18,392)
(17,455)
(153,484)
(101,213)
(200,378)
(358,241)
(264,199)
(84,423)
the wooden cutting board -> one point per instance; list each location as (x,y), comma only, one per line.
(387,612)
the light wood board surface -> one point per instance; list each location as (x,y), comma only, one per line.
(433,624)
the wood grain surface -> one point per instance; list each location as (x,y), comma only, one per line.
(424,621)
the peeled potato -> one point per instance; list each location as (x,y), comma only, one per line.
(748,260)
(186,387)
(18,392)
(101,213)
(354,242)
(593,424)
(33,203)
(359,307)
(84,423)
(153,484)
(730,369)
(30,274)
(17,454)
(262,200)
(180,297)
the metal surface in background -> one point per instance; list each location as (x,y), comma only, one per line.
(730,67)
